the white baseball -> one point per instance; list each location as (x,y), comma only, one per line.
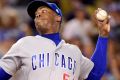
(101,15)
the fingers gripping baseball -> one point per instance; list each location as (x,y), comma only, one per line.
(101,18)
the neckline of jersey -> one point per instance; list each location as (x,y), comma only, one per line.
(61,41)
(55,37)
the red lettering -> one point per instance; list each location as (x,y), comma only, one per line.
(65,76)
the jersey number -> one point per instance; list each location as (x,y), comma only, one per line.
(65,76)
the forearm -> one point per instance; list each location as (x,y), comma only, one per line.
(99,58)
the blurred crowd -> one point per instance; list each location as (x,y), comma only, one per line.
(78,27)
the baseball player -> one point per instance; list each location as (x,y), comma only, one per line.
(47,56)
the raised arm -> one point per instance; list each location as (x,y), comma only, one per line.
(99,57)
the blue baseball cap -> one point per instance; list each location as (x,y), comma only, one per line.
(34,5)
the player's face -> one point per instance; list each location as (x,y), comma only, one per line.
(45,19)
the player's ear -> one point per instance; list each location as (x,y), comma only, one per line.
(58,18)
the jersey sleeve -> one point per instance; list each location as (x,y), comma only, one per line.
(99,58)
(86,67)
(11,61)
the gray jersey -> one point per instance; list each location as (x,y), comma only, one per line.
(38,58)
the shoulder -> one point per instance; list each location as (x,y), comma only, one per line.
(21,42)
(25,39)
(75,51)
(30,41)
(73,48)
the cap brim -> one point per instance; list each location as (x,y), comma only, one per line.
(33,6)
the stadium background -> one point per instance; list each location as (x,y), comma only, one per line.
(15,24)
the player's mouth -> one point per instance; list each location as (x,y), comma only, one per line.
(42,19)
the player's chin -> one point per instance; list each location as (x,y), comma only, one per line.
(42,30)
(41,27)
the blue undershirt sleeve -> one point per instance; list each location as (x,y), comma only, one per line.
(4,75)
(99,58)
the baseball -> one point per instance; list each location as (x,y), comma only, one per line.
(101,15)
